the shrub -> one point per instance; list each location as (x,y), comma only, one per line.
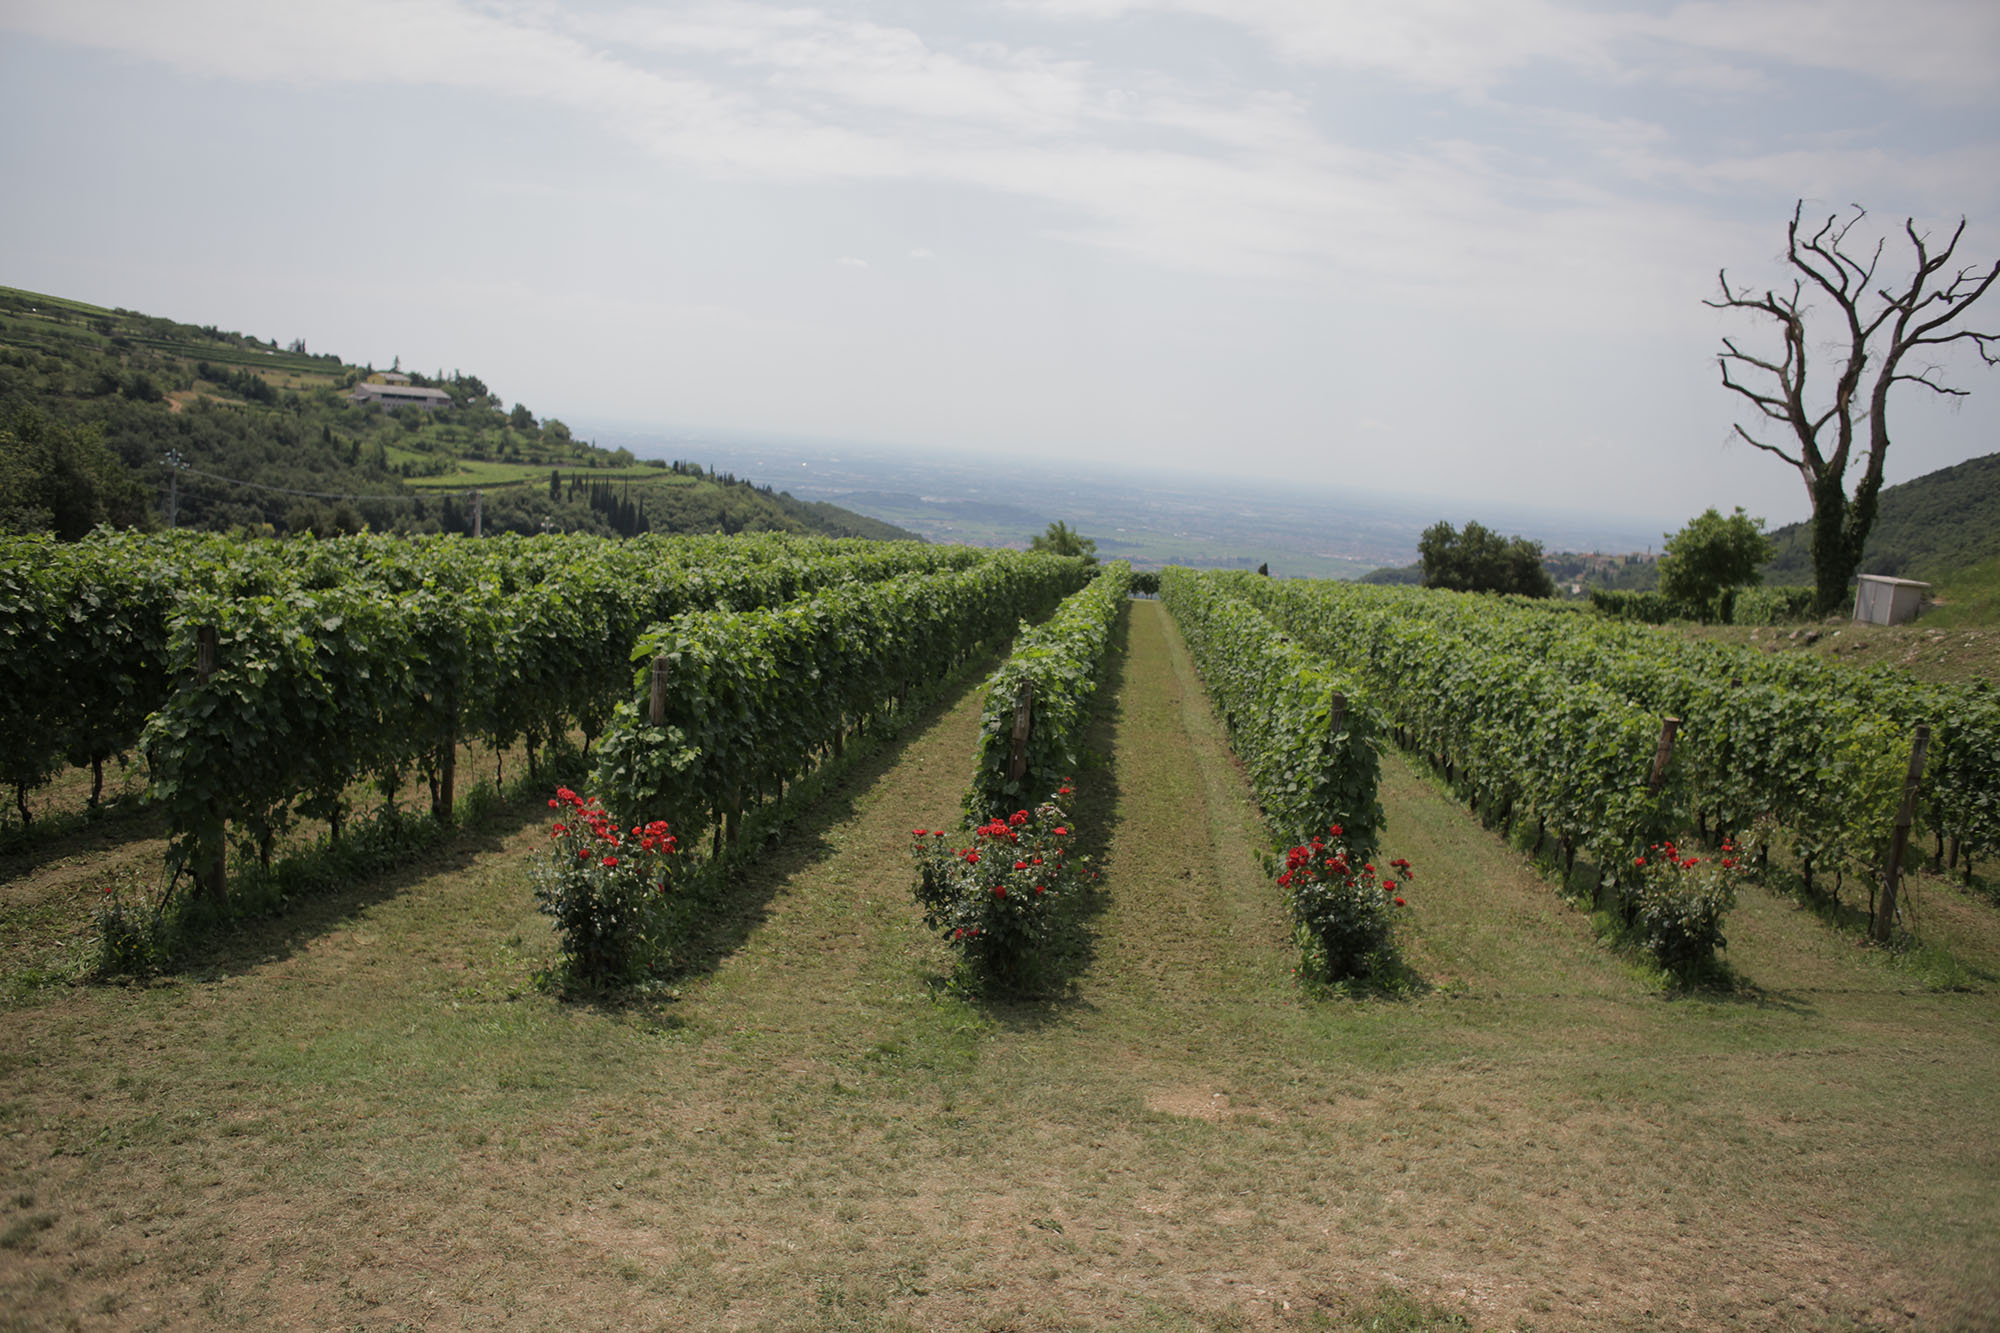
(1681,901)
(131,942)
(1648,608)
(1772,606)
(994,899)
(1711,556)
(609,890)
(1344,910)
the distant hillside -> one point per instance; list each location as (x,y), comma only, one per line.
(1935,525)
(1943,521)
(1582,570)
(116,416)
(1408,576)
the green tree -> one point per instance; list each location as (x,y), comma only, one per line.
(1710,554)
(1062,540)
(61,479)
(1481,560)
(1872,325)
(521,418)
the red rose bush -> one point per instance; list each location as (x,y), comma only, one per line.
(1344,909)
(1681,901)
(993,895)
(609,888)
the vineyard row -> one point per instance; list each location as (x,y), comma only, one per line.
(261,681)
(1556,716)
(729,706)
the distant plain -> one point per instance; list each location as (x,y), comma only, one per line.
(1150,516)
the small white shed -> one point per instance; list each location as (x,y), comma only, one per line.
(1881,600)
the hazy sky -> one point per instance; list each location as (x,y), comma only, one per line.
(1447,247)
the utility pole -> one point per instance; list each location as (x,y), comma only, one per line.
(174,463)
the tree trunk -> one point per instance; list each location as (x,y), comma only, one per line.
(1834,562)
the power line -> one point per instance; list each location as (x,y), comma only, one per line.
(311,495)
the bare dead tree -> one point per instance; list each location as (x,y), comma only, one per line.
(1910,318)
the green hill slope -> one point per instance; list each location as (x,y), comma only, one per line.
(1925,529)
(94,403)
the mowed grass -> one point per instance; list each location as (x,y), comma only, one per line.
(373,1119)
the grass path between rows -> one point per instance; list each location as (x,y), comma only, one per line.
(374,1121)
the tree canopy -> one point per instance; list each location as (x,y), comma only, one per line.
(1710,554)
(1481,560)
(1062,540)
(61,479)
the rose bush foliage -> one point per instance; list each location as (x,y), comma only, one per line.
(1344,909)
(609,888)
(993,894)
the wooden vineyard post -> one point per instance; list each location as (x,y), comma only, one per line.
(656,703)
(447,796)
(1669,728)
(1885,914)
(1663,753)
(1024,718)
(211,868)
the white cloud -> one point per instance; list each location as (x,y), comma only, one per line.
(1210,176)
(1459,45)
(849,261)
(864,65)
(1935,48)
(1938,47)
